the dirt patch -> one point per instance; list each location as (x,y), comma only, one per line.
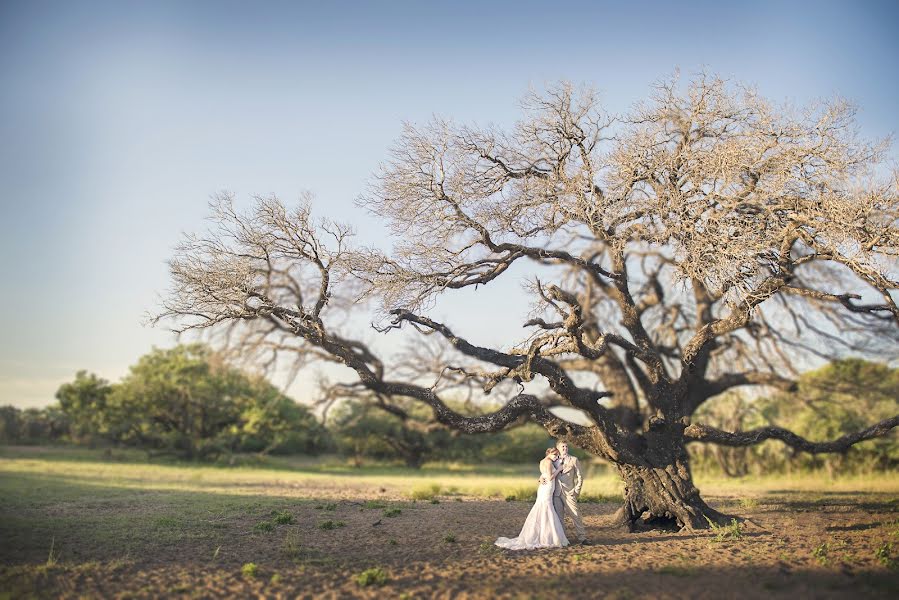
(840,548)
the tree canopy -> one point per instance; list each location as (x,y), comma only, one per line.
(706,240)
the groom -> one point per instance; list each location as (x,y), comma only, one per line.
(567,490)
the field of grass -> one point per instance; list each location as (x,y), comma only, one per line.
(76,522)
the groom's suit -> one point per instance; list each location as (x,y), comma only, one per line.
(566,491)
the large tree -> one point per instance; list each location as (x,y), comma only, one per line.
(704,241)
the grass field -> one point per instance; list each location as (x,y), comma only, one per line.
(83,523)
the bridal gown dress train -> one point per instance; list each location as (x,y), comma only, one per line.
(542,528)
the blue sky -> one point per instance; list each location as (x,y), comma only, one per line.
(118,121)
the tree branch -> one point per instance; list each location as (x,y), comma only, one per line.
(710,435)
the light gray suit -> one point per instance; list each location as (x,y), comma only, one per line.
(566,491)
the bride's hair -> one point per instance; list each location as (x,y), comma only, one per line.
(550,450)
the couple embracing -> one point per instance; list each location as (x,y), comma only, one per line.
(559,487)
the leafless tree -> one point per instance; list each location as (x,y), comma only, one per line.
(707,240)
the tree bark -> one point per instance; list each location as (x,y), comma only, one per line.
(660,491)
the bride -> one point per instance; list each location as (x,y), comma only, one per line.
(542,528)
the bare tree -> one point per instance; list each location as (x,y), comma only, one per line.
(705,241)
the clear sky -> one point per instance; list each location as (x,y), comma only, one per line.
(118,121)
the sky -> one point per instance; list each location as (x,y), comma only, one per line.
(119,120)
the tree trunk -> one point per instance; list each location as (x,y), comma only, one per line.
(660,492)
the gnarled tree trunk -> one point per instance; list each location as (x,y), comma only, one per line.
(659,489)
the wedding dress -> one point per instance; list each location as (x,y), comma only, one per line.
(543,527)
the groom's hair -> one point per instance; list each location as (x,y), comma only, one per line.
(559,443)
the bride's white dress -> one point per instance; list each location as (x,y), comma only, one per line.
(542,528)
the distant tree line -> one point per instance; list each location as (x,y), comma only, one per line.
(187,402)
(184,401)
(828,403)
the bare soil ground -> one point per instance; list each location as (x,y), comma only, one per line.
(67,534)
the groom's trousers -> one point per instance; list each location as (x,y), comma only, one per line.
(567,503)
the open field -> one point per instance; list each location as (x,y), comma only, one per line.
(75,524)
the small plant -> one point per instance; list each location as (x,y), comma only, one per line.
(276,579)
(290,546)
(329,506)
(283,518)
(52,558)
(884,554)
(449,538)
(374,504)
(393,542)
(820,553)
(264,526)
(249,570)
(329,525)
(393,512)
(488,548)
(731,531)
(373,576)
(435,501)
(749,502)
